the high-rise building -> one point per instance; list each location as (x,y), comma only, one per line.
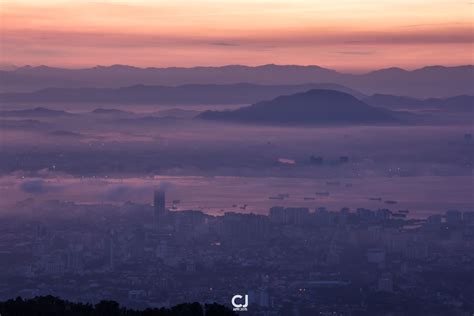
(159,206)
(159,203)
(109,250)
(453,217)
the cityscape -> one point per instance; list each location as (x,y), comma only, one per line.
(292,261)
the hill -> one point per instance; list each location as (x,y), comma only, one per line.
(311,107)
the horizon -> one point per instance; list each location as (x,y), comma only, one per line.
(11,67)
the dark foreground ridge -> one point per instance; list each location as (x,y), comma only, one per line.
(54,306)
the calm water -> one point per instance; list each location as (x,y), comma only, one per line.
(421,195)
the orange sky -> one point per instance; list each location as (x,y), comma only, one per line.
(342,34)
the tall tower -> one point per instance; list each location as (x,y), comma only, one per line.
(159,204)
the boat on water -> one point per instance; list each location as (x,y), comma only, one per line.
(325,193)
(275,198)
(390,202)
(398,215)
(403,211)
(333,182)
(375,198)
(307,198)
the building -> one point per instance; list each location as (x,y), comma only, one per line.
(159,207)
(159,202)
(277,215)
(385,283)
(453,217)
(376,255)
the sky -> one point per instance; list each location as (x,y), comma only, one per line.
(351,35)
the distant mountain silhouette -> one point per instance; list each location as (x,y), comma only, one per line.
(110,112)
(242,93)
(148,120)
(36,112)
(177,113)
(311,107)
(426,82)
(432,81)
(22,124)
(63,133)
(393,101)
(461,103)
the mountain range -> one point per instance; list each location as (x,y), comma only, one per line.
(431,81)
(242,93)
(460,103)
(35,112)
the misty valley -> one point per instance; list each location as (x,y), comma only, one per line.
(58,142)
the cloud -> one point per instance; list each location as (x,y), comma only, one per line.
(36,186)
(40,186)
(224,44)
(123,192)
(448,24)
(404,46)
(164,185)
(356,52)
(286,161)
(58,40)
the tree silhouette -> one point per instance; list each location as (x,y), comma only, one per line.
(54,306)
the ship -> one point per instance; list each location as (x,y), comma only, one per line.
(325,193)
(398,215)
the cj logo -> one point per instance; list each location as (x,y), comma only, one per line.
(237,303)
